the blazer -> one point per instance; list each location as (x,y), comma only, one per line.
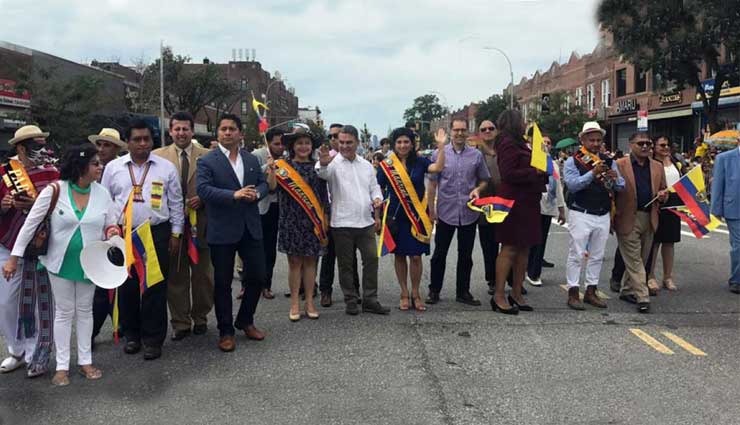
(726,185)
(216,184)
(624,220)
(170,153)
(99,214)
(519,180)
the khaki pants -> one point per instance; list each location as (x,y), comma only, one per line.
(197,278)
(635,249)
(345,241)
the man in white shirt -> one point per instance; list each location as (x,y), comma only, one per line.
(355,195)
(157,198)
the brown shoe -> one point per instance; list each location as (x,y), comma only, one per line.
(592,297)
(226,343)
(253,333)
(669,284)
(653,287)
(325,300)
(574,299)
(267,294)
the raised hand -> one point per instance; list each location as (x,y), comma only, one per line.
(440,137)
(324,157)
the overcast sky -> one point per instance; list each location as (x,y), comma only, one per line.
(360,61)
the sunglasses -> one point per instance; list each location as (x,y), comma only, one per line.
(662,145)
(644,144)
(486,129)
(459,130)
(334,136)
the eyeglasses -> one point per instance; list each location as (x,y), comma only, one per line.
(662,145)
(334,136)
(644,144)
(486,129)
(459,130)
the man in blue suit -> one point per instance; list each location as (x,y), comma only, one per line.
(726,203)
(230,182)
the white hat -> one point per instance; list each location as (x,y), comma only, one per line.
(590,127)
(109,135)
(100,262)
(27,132)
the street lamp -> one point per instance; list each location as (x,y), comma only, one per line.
(511,73)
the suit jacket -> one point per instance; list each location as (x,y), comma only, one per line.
(170,153)
(216,184)
(726,185)
(624,220)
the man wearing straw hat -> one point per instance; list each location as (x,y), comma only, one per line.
(188,279)
(25,322)
(109,145)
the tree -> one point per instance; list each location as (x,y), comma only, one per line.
(365,135)
(188,87)
(674,38)
(492,107)
(425,109)
(563,120)
(66,107)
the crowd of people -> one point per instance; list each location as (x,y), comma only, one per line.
(320,202)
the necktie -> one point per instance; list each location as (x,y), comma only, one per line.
(184,170)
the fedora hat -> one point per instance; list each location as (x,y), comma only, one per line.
(590,127)
(298,132)
(27,132)
(109,135)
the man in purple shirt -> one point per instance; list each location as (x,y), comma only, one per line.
(464,176)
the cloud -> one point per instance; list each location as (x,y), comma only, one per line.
(360,61)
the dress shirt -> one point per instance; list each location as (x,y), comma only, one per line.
(272,196)
(117,180)
(237,166)
(575,182)
(188,152)
(353,188)
(672,175)
(643,186)
(463,170)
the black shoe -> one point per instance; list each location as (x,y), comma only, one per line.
(514,310)
(352,309)
(491,289)
(433,297)
(132,347)
(467,299)
(524,290)
(735,288)
(547,264)
(200,329)
(179,335)
(643,308)
(152,353)
(375,308)
(629,298)
(521,307)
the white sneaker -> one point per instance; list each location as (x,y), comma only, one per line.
(534,282)
(11,363)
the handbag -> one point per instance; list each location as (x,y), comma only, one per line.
(40,242)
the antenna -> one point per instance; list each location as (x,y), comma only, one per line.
(241,55)
(233,55)
(254,55)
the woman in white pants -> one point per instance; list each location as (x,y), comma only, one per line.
(83,213)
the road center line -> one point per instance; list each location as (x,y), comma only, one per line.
(684,344)
(649,340)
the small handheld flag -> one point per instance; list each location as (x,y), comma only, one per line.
(494,208)
(263,124)
(191,235)
(541,159)
(386,244)
(692,191)
(700,230)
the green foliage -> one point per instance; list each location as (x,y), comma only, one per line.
(426,108)
(492,107)
(365,135)
(674,38)
(561,122)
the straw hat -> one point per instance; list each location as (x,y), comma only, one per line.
(590,127)
(109,135)
(27,132)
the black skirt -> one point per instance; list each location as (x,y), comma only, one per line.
(669,225)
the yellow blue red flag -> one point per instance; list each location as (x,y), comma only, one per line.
(541,159)
(147,264)
(693,192)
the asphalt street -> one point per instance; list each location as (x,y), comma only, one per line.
(453,364)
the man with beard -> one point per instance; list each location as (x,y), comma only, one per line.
(25,321)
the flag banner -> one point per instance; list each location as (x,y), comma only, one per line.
(692,191)
(700,230)
(191,235)
(494,208)
(147,264)
(541,159)
(386,244)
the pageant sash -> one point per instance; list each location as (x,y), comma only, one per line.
(295,186)
(416,210)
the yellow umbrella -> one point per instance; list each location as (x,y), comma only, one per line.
(726,139)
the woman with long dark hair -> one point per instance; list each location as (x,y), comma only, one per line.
(84,212)
(520,230)
(401,177)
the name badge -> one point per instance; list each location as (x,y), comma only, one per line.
(156,196)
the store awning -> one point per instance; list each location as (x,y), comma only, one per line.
(670,114)
(723,101)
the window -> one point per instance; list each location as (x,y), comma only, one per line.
(567,103)
(606,94)
(579,96)
(622,82)
(244,107)
(591,97)
(243,85)
(640,80)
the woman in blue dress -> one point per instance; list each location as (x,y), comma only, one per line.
(410,245)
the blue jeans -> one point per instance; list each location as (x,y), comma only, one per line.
(734,227)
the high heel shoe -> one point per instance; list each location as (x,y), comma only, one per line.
(294,317)
(511,310)
(312,316)
(521,307)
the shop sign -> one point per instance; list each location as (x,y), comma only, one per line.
(10,97)
(627,105)
(708,86)
(671,98)
(642,120)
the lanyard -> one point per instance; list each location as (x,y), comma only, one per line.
(137,188)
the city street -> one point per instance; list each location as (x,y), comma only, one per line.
(453,364)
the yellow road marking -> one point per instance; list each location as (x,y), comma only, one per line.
(649,340)
(601,294)
(684,344)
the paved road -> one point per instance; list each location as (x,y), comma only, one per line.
(451,365)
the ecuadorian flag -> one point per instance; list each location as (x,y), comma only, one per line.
(495,208)
(700,230)
(147,263)
(541,159)
(692,191)
(386,244)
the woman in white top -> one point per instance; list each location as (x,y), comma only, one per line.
(84,212)
(669,225)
